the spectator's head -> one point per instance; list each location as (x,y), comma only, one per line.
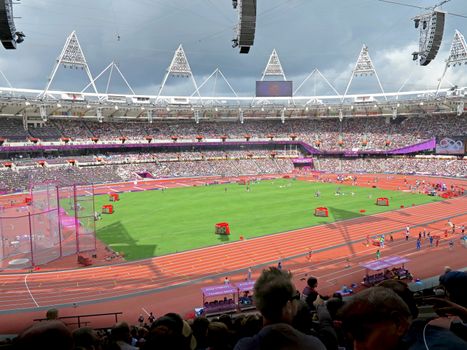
(302,320)
(402,289)
(455,284)
(218,335)
(276,296)
(200,330)
(333,305)
(375,318)
(121,332)
(170,332)
(86,339)
(251,325)
(51,314)
(312,282)
(50,335)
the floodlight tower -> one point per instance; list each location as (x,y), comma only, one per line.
(179,67)
(72,56)
(457,55)
(274,67)
(363,67)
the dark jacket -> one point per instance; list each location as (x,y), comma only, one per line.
(280,336)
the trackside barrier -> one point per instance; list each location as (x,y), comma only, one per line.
(78,319)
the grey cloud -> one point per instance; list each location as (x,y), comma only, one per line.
(307,34)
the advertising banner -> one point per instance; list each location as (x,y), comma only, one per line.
(451,145)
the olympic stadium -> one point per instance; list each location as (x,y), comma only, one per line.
(116,204)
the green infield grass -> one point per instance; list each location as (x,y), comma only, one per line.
(153,223)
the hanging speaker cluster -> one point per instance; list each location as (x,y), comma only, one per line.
(8,33)
(431,27)
(247,24)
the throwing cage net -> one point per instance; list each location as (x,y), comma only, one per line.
(56,222)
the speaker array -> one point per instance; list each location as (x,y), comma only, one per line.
(8,34)
(435,37)
(247,24)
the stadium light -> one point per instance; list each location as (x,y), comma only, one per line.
(43,113)
(460,108)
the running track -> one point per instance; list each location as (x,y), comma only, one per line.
(22,291)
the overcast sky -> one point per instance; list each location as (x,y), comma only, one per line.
(307,34)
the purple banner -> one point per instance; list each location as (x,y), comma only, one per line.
(222,289)
(422,146)
(302,161)
(384,263)
(245,286)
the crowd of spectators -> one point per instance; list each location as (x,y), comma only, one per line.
(118,168)
(330,134)
(384,317)
(135,166)
(404,165)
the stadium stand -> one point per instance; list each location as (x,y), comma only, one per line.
(355,133)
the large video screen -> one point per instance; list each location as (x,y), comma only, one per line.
(274,89)
(451,145)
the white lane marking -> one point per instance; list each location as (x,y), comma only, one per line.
(29,291)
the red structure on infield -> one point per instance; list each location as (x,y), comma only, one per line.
(107,209)
(114,197)
(382,201)
(222,228)
(322,211)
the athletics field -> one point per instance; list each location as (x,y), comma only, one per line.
(156,222)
